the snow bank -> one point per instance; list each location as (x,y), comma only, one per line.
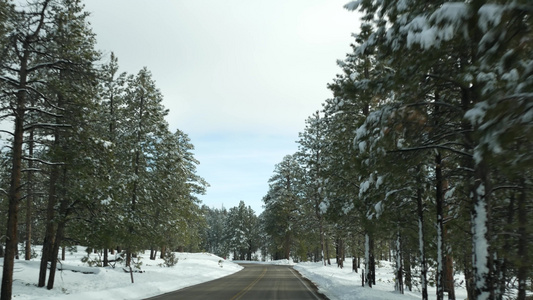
(344,284)
(78,281)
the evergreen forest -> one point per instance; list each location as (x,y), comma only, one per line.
(423,154)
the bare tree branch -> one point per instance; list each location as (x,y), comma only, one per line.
(5,131)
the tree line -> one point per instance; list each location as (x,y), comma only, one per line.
(87,156)
(233,234)
(423,153)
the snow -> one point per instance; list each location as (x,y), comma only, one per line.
(402,5)
(344,284)
(353,5)
(323,206)
(362,146)
(449,194)
(490,15)
(364,187)
(451,12)
(442,25)
(379,208)
(476,114)
(79,281)
(481,246)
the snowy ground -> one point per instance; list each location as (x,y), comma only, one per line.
(114,283)
(192,268)
(344,284)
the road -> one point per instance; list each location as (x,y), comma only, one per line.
(254,282)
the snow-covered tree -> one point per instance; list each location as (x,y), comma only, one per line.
(472,55)
(241,232)
(310,152)
(282,206)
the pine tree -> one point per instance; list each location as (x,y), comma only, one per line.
(241,231)
(213,238)
(282,203)
(459,49)
(71,92)
(310,152)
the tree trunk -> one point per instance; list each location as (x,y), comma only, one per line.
(30,199)
(421,237)
(369,261)
(322,248)
(449,282)
(341,254)
(469,275)
(407,270)
(60,231)
(128,257)
(399,266)
(372,262)
(506,245)
(523,237)
(55,251)
(439,200)
(13,205)
(481,232)
(327,254)
(448,279)
(338,258)
(106,258)
(49,239)
(49,231)
(163,251)
(14,194)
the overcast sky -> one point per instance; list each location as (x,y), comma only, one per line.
(238,76)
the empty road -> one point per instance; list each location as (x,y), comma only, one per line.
(254,282)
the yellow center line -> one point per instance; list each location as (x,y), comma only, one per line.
(249,287)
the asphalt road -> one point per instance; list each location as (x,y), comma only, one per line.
(254,282)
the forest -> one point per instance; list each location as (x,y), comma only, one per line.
(421,156)
(88,157)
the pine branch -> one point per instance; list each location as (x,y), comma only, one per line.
(46,125)
(36,109)
(49,163)
(9,80)
(8,132)
(46,65)
(442,146)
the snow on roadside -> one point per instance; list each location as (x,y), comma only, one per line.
(344,284)
(78,281)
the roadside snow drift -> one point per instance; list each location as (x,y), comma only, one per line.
(78,281)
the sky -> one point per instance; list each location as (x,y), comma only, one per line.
(238,76)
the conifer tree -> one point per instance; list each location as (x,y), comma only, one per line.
(282,204)
(461,50)
(71,92)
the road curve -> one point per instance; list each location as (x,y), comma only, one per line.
(254,282)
